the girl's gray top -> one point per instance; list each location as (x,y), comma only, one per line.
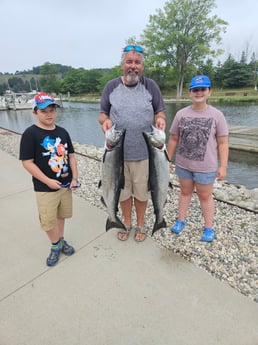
(132,108)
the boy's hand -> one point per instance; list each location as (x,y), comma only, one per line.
(54,184)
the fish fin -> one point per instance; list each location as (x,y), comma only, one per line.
(104,156)
(122,183)
(117,224)
(103,201)
(99,184)
(158,226)
(170,185)
(166,154)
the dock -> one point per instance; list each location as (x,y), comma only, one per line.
(21,100)
(243,138)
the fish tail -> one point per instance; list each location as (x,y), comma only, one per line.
(114,224)
(159,225)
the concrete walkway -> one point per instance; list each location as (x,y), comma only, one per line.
(109,292)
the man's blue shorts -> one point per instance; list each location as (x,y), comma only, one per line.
(198,177)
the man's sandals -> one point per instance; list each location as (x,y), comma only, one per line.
(139,236)
(123,235)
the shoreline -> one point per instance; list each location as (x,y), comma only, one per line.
(231,257)
(235,195)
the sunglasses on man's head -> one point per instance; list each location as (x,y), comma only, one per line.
(132,47)
(198,89)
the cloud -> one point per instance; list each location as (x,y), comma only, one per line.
(91,34)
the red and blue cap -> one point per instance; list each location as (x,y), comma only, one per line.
(200,81)
(43,100)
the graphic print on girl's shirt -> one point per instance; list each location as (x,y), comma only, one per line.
(194,134)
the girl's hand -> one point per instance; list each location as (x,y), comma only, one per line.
(171,168)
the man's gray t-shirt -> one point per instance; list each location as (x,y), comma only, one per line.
(133,109)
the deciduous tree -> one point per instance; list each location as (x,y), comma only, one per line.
(183,33)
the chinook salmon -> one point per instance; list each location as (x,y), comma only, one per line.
(112,179)
(158,174)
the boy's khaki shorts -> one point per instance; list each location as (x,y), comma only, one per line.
(136,180)
(54,205)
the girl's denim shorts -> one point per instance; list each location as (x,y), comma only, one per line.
(198,177)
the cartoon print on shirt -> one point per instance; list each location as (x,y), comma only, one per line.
(194,134)
(58,155)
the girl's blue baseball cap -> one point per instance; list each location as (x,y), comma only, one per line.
(200,81)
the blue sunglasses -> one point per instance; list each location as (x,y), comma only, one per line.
(132,47)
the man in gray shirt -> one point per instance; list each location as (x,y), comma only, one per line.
(133,102)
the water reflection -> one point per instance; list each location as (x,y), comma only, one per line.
(82,122)
(240,114)
(243,168)
(81,119)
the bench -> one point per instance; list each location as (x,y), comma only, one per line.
(230,94)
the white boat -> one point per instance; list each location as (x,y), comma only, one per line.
(19,101)
(2,103)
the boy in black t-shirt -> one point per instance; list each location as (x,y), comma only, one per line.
(47,153)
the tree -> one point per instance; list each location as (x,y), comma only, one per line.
(254,67)
(108,75)
(182,34)
(209,69)
(235,74)
(218,75)
(49,78)
(72,81)
(78,81)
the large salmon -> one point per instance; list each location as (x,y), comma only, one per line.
(158,174)
(112,180)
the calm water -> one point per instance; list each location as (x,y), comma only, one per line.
(81,119)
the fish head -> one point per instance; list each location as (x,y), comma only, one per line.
(156,138)
(113,137)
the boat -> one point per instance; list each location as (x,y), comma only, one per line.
(22,100)
(2,103)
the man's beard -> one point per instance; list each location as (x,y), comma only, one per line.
(132,79)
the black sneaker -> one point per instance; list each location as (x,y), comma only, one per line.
(66,248)
(54,255)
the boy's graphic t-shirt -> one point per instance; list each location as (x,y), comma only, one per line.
(50,151)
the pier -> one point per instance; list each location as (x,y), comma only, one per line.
(243,138)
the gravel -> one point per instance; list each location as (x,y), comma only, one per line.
(232,257)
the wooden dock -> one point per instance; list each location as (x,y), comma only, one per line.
(243,138)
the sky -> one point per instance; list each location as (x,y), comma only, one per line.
(91,33)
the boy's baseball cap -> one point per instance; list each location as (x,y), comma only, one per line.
(200,81)
(43,100)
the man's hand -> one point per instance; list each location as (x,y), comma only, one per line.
(107,124)
(160,123)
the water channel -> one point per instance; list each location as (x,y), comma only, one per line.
(81,119)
